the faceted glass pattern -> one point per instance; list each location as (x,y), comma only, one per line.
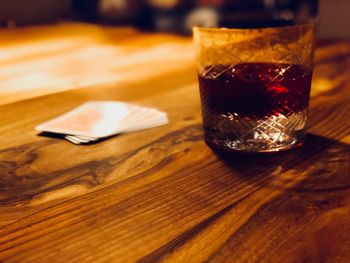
(255,86)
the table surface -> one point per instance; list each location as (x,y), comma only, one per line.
(160,194)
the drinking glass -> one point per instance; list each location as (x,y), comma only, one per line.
(255,86)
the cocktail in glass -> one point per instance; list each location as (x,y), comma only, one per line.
(255,86)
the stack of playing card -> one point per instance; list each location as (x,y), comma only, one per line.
(100,119)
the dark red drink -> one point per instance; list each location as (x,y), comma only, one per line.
(243,95)
(255,90)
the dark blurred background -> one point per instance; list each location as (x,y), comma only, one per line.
(180,15)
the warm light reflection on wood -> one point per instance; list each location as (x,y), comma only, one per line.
(53,63)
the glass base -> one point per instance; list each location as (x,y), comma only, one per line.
(232,146)
(270,134)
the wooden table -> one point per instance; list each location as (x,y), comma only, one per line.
(160,194)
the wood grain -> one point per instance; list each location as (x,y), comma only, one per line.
(162,195)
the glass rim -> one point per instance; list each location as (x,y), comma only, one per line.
(228,30)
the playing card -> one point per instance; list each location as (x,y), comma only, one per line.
(98,119)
